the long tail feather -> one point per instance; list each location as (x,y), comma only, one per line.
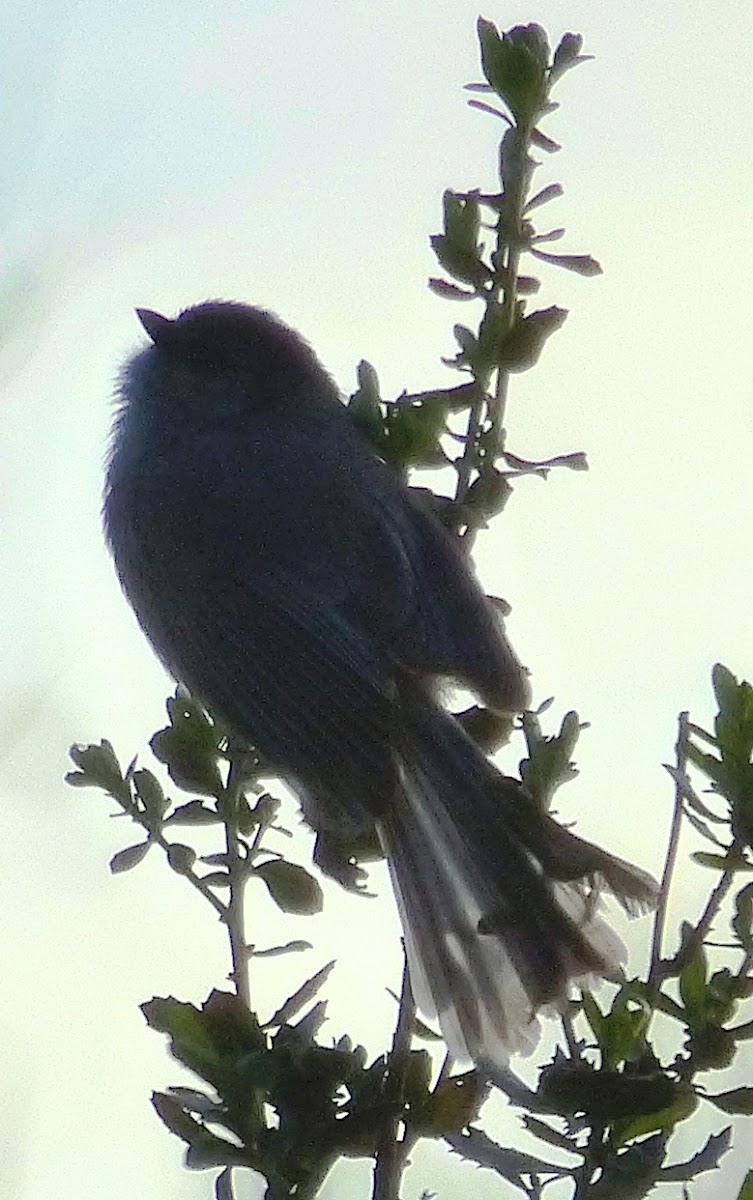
(499,904)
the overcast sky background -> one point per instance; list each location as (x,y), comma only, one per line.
(294,155)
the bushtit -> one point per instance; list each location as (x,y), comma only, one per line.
(301,592)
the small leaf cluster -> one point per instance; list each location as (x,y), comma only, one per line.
(326,1102)
(521,72)
(730,768)
(616,1101)
(549,762)
(417,429)
(192,750)
(405,432)
(609,1097)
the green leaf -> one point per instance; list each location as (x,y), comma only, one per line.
(291,886)
(693,984)
(596,1019)
(98,767)
(542,142)
(541,1130)
(683,1104)
(551,235)
(702,828)
(581,264)
(189,1031)
(515,66)
(737,1102)
(469,357)
(723,992)
(546,1133)
(707,1159)
(521,348)
(576,461)
(417,1078)
(742,921)
(568,55)
(631,1174)
(733,775)
(568,49)
(620,1033)
(207,1150)
(465,338)
(549,763)
(221,1042)
(460,263)
(462,220)
(489,493)
(725,687)
(476,1146)
(413,431)
(704,858)
(569,1088)
(216,879)
(165,1014)
(126,860)
(449,291)
(550,192)
(276,951)
(233,1028)
(194,813)
(265,810)
(712,1047)
(365,405)
(489,108)
(624,1034)
(181,858)
(309,1025)
(197,1102)
(300,997)
(149,791)
(527,285)
(708,763)
(746,1191)
(452,1106)
(189,747)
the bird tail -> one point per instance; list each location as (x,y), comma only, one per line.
(500,905)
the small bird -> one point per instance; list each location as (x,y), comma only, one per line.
(301,592)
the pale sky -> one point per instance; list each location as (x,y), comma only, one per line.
(294,156)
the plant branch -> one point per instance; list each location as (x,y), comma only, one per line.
(734,857)
(510,244)
(392,1152)
(660,918)
(237,870)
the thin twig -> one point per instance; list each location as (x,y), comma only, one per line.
(573,1044)
(469,461)
(715,900)
(681,761)
(734,858)
(131,809)
(236,858)
(390,1158)
(195,880)
(509,243)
